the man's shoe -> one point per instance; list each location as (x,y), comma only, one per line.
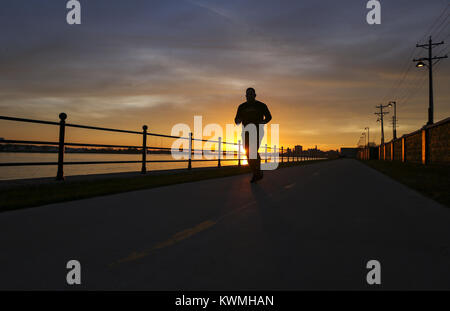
(257,177)
(260,176)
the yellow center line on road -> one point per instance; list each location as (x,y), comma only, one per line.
(289,186)
(178,237)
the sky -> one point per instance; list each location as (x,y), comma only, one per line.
(318,65)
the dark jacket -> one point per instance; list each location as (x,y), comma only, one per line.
(256,113)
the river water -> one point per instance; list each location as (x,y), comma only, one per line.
(19,172)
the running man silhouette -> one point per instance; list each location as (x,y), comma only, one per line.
(253,112)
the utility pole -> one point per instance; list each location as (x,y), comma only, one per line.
(368,137)
(394,119)
(368,140)
(380,118)
(429,46)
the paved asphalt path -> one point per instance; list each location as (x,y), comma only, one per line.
(306,227)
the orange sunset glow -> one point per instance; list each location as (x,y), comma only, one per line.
(321,76)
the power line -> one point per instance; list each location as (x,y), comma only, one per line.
(441,51)
(429,31)
(414,90)
(419,86)
(395,88)
(442,28)
(419,76)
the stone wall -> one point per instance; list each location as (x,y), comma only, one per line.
(398,150)
(439,144)
(413,147)
(431,144)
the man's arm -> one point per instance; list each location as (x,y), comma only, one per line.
(267,115)
(237,119)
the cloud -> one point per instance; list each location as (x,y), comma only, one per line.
(318,62)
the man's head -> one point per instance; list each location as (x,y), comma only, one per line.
(250,94)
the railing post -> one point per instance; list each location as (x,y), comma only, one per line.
(220,151)
(288,153)
(281,154)
(272,155)
(144,149)
(190,151)
(266,155)
(239,153)
(61,146)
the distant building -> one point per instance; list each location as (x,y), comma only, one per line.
(298,148)
(313,149)
(348,152)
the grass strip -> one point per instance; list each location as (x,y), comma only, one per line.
(431,180)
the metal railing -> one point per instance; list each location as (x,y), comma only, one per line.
(289,154)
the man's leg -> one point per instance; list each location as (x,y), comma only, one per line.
(258,171)
(252,163)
